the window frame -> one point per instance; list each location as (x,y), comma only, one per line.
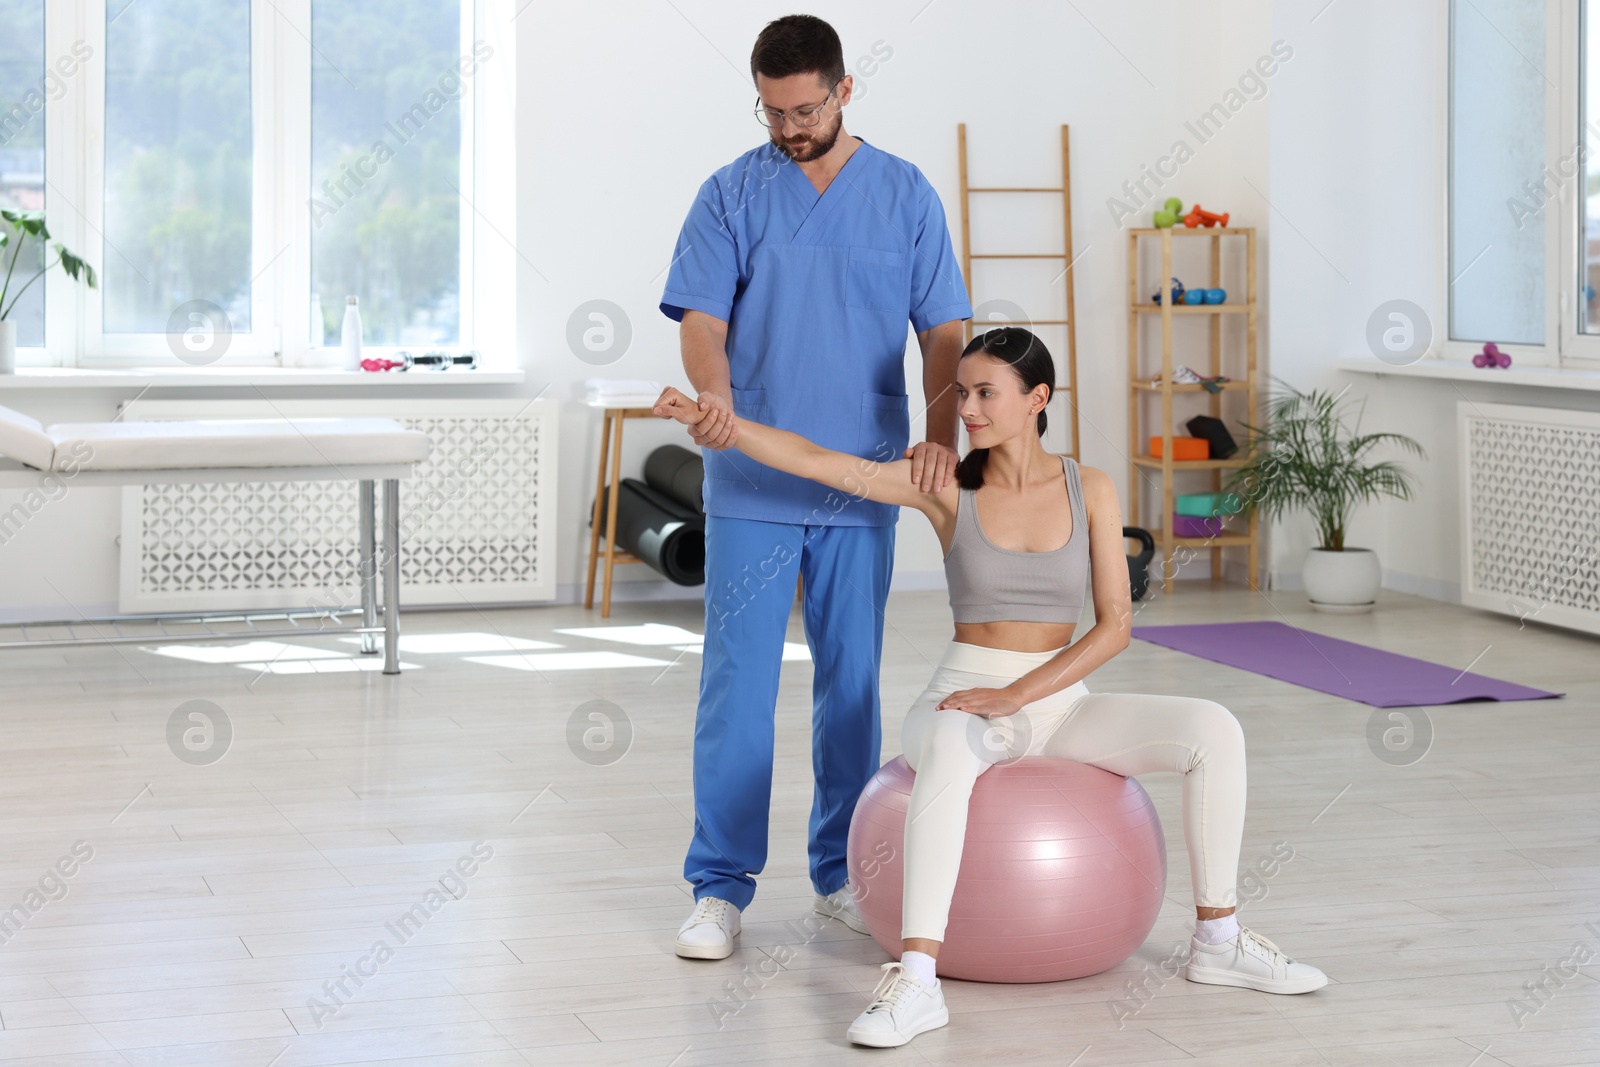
(1565,346)
(280,64)
(1578,349)
(1547,354)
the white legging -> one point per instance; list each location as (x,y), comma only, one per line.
(1126,733)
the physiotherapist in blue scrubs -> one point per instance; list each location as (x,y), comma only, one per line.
(794,276)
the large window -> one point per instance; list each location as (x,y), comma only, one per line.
(385,168)
(1497,120)
(1589,201)
(235,170)
(178,157)
(23,94)
(1523,256)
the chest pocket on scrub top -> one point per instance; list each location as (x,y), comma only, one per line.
(877,280)
(730,464)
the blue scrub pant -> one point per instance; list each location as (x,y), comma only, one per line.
(750,582)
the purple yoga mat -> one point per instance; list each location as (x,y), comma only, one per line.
(1329,665)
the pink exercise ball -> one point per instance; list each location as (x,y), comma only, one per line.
(1062,875)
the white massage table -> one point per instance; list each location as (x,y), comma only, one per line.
(363,450)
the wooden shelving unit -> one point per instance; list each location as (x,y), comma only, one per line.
(1141,389)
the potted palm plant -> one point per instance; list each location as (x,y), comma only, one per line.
(1307,457)
(26,224)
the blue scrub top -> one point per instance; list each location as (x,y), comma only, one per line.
(816,292)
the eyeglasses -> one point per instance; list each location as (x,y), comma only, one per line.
(772,118)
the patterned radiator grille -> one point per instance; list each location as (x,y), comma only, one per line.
(1531,503)
(475,517)
(230,537)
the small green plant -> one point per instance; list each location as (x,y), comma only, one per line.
(1306,457)
(26,224)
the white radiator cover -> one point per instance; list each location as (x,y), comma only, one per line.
(477,518)
(1530,512)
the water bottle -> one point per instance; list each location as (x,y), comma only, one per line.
(351,337)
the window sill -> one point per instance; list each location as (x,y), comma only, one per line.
(1461,371)
(222,377)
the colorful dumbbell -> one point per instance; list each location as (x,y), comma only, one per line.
(1198,216)
(1491,357)
(1177,293)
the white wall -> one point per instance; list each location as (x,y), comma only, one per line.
(1356,147)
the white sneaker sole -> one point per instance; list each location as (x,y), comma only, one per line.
(858,925)
(1207,976)
(898,1038)
(706,952)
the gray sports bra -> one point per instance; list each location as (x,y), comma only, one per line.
(992,584)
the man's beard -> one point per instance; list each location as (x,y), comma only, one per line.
(813,148)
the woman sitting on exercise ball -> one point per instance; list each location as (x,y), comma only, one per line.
(1012,661)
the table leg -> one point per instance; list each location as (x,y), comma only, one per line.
(611,513)
(594,515)
(391,576)
(368,503)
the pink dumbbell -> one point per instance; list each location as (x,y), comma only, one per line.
(1491,356)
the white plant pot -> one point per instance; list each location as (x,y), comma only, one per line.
(1344,582)
(8,346)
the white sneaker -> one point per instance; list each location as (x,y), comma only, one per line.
(1181,375)
(901,1008)
(1251,961)
(708,934)
(841,905)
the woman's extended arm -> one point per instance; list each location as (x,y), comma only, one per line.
(1113,612)
(867,479)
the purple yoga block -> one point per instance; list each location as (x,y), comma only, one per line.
(1195,526)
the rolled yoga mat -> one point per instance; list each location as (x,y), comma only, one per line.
(659,530)
(1329,665)
(679,473)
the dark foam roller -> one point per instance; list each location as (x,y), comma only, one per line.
(679,473)
(664,533)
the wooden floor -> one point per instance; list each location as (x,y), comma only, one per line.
(250,910)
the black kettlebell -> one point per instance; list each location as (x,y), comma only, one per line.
(1139,566)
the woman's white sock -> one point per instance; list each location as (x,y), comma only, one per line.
(920,966)
(1216,931)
